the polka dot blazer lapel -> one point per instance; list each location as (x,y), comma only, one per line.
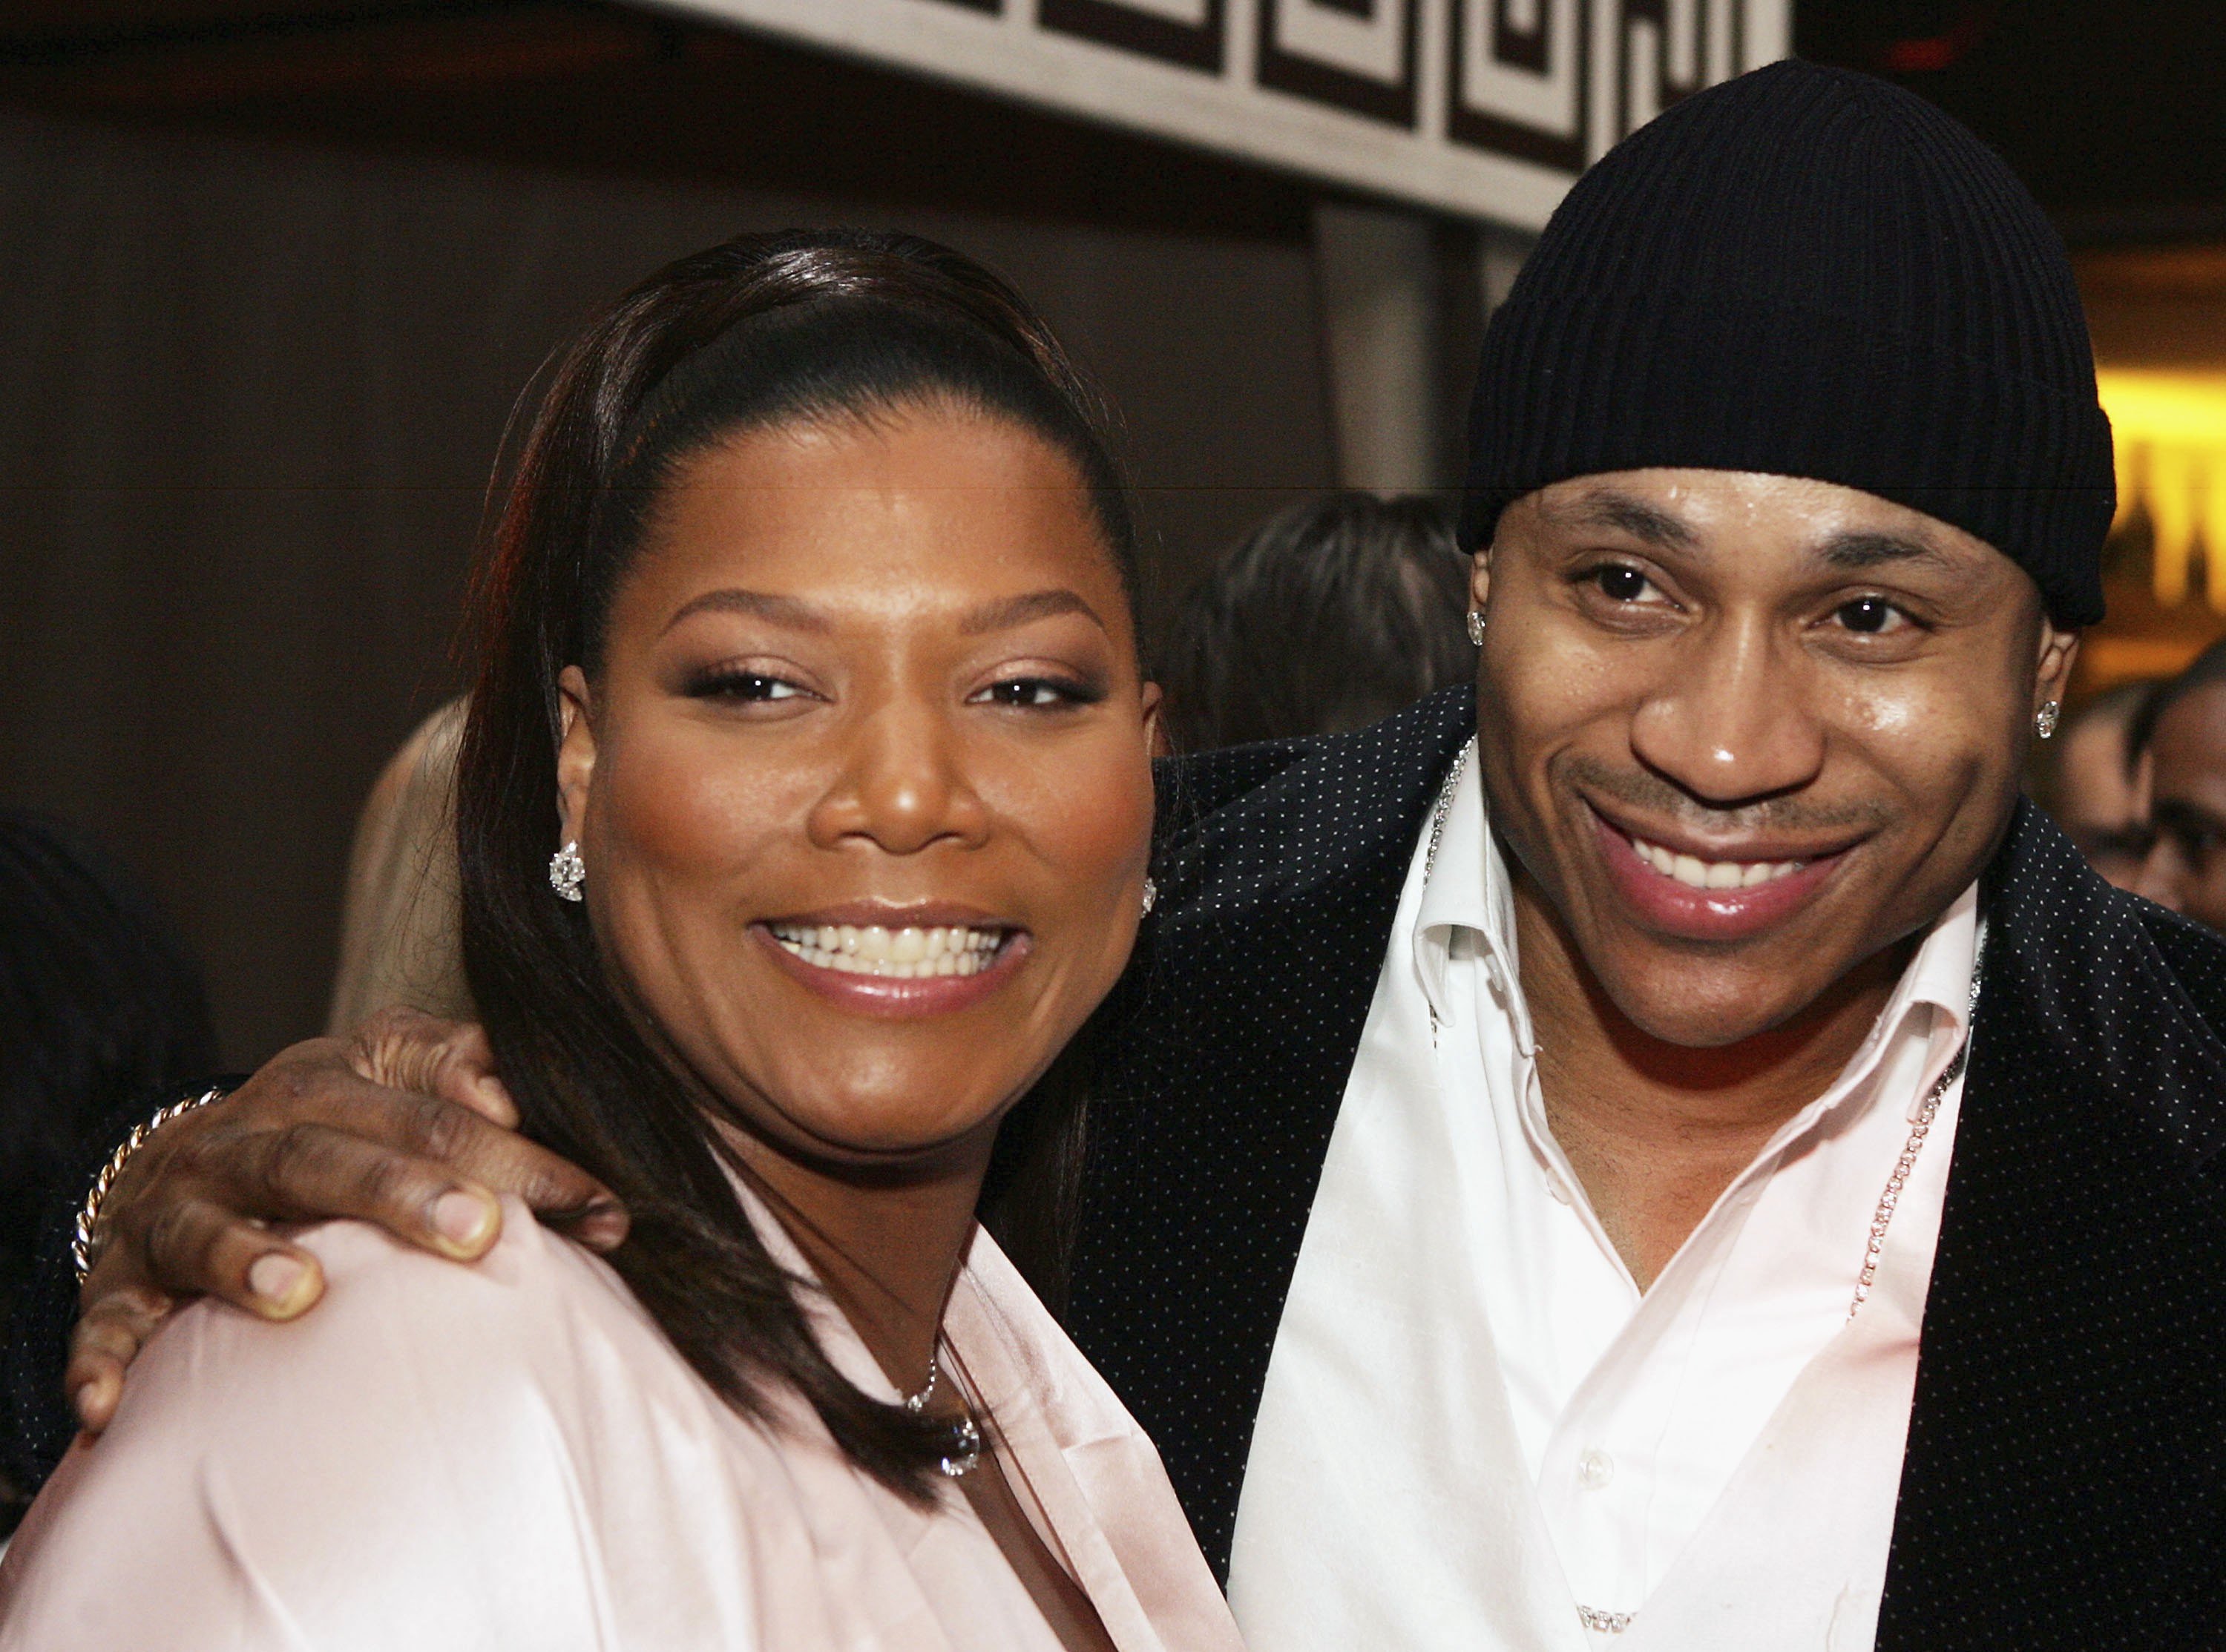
(1279,871)
(2065,1481)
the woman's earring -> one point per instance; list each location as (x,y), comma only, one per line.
(1476,627)
(567,871)
(2044,720)
(1151,896)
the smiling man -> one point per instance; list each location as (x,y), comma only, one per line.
(1710,1167)
(1686,1158)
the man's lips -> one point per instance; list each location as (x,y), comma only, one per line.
(1731,894)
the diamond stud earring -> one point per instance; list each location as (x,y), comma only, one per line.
(1151,896)
(2044,720)
(566,872)
(1476,627)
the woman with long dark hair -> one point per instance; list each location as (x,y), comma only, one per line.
(804,811)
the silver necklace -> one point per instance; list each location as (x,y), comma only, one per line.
(965,1452)
(1443,807)
(1875,1249)
(917,1403)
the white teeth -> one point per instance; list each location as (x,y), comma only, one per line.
(909,954)
(1697,873)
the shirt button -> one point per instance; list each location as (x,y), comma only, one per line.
(1594,1470)
(1558,1188)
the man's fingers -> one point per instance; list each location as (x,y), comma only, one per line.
(107,1339)
(196,1248)
(404,1049)
(316,1169)
(601,1226)
(467,1078)
(501,1160)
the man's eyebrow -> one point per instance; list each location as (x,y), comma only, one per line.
(788,611)
(1852,552)
(1008,611)
(1606,508)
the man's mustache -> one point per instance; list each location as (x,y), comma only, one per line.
(1646,793)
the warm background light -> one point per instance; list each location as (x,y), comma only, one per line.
(2171,432)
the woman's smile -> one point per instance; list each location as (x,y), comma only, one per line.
(886,960)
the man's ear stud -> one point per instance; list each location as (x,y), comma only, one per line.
(2044,720)
(1476,627)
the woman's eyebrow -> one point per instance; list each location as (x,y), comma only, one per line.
(1008,611)
(787,611)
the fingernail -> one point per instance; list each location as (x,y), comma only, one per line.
(602,1225)
(461,1218)
(276,1278)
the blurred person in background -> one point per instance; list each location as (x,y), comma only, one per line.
(399,943)
(2100,784)
(101,1009)
(1328,617)
(2181,735)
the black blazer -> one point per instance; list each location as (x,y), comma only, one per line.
(2065,1479)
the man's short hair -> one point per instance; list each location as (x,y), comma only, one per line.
(1328,617)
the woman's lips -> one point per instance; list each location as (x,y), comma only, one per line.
(1697,900)
(896,968)
(902,951)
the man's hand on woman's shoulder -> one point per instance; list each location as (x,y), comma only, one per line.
(405,1125)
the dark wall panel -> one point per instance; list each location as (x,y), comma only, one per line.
(249,395)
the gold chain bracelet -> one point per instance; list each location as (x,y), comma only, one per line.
(84,1238)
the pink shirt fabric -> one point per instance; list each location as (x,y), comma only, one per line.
(511,1455)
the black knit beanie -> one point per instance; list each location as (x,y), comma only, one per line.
(1808,272)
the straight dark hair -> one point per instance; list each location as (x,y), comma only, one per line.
(762,330)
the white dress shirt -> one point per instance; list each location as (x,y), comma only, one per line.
(1475,1424)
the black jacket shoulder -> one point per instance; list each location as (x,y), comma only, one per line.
(1223,1064)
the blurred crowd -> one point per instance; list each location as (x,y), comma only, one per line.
(2139,782)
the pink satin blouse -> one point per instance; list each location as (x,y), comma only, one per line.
(511,1455)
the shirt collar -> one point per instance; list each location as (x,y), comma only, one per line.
(1932,999)
(1468,889)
